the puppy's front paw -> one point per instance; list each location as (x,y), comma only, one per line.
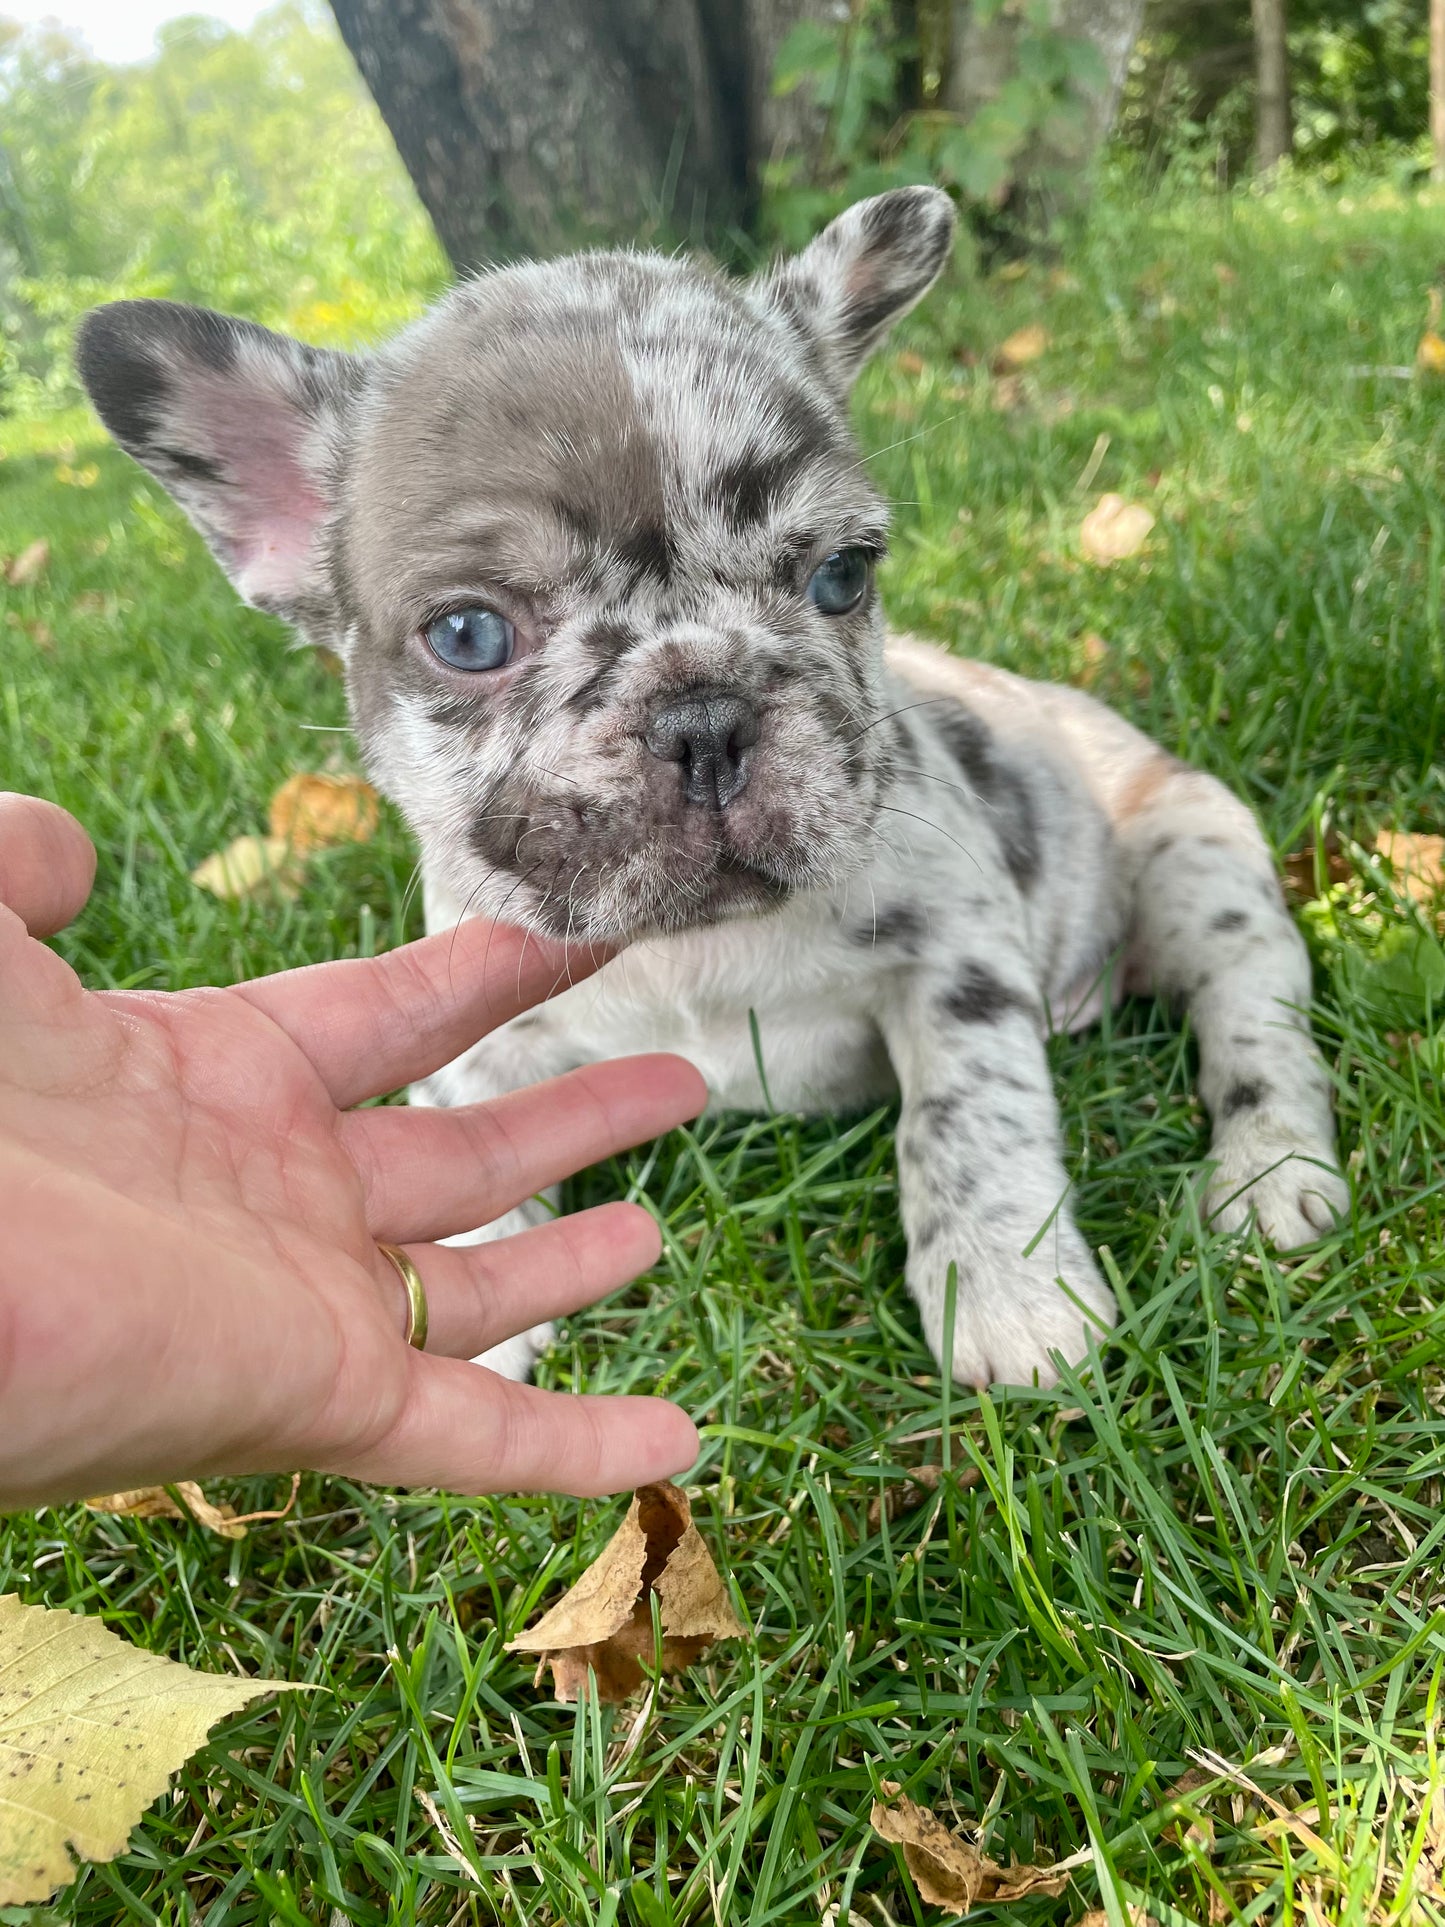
(1287,1179)
(1012,1311)
(517,1357)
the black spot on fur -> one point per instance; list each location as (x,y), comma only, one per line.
(939,1113)
(895,924)
(196,466)
(1229,920)
(1247,1095)
(980,997)
(1001,787)
(647,550)
(746,490)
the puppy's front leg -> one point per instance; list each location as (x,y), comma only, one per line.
(981,1176)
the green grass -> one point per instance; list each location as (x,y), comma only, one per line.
(1229,1538)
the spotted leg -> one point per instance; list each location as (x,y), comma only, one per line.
(981,1176)
(1210,926)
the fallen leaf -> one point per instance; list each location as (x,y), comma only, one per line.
(92,1729)
(40,633)
(1299,869)
(908,363)
(1095,653)
(313,812)
(604,1624)
(1020,348)
(247,866)
(159,1502)
(1006,394)
(29,565)
(1416,862)
(1114,529)
(947,1871)
(1135,1915)
(1225,275)
(1430,354)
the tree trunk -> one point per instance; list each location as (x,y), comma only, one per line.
(1437,88)
(1272,137)
(528,129)
(778,126)
(985,56)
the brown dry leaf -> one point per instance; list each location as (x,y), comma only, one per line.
(1020,348)
(1095,653)
(313,812)
(1114,529)
(249,865)
(1136,1917)
(908,363)
(1006,394)
(159,1502)
(604,1624)
(1417,862)
(92,1729)
(949,1872)
(1299,870)
(29,565)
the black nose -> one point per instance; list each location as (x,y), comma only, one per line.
(709,732)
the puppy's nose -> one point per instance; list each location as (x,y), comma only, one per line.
(708,731)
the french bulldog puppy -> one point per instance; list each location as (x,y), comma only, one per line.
(597,548)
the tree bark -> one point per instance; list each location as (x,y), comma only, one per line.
(1437,88)
(1272,131)
(531,129)
(985,56)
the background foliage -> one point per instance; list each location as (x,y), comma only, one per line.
(246,171)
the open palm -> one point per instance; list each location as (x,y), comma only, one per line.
(189,1273)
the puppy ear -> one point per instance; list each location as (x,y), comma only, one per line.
(241,425)
(847,288)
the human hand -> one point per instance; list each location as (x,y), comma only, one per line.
(190,1210)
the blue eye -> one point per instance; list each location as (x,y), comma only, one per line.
(839,583)
(472,639)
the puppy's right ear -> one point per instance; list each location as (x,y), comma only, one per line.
(241,425)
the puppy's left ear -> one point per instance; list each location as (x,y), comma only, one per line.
(864,271)
(244,428)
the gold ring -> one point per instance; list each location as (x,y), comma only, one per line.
(416,1312)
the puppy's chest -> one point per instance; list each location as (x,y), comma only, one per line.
(744,1003)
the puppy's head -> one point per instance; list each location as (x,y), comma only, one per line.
(595,544)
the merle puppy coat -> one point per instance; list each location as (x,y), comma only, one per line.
(596,546)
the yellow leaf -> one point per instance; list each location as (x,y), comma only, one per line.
(159,1502)
(1021,347)
(604,1624)
(1416,862)
(312,812)
(949,1872)
(250,864)
(1095,652)
(1430,353)
(29,565)
(91,1730)
(1114,530)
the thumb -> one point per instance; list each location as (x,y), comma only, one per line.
(47,863)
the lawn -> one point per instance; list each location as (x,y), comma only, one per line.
(1226,1541)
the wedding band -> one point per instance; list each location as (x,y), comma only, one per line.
(416,1312)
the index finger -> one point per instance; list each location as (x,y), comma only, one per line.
(47,863)
(371,1025)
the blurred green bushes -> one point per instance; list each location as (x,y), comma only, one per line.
(247,171)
